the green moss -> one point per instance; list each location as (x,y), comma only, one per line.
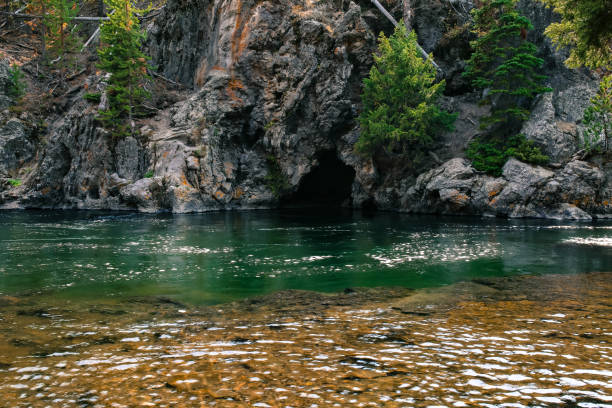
(14,182)
(269,125)
(149,174)
(199,153)
(276,180)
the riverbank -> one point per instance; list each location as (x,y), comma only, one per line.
(523,341)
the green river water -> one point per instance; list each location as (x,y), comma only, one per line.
(219,257)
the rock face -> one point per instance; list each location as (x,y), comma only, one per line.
(17,144)
(267,117)
(555,122)
(574,192)
(5,100)
(276,87)
(16,147)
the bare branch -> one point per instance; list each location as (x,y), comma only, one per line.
(37,16)
(395,23)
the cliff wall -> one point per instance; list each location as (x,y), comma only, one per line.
(265,116)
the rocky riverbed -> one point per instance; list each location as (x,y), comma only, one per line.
(506,342)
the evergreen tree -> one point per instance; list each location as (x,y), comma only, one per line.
(400,110)
(505,67)
(39,7)
(585,27)
(121,56)
(61,38)
(504,64)
(17,86)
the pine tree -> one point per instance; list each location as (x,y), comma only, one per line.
(585,27)
(61,38)
(504,65)
(39,7)
(121,56)
(400,110)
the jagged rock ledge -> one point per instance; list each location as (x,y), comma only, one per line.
(268,119)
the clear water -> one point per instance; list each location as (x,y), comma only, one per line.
(219,257)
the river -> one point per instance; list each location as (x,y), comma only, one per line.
(220,257)
(322,308)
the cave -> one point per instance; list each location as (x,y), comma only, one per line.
(328,184)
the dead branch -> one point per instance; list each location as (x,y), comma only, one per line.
(93,37)
(395,23)
(155,74)
(71,77)
(37,16)
(27,47)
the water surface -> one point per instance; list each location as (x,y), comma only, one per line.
(219,257)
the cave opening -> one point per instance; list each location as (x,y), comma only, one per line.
(329,184)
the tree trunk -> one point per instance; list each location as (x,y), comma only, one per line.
(408,15)
(101,12)
(43,31)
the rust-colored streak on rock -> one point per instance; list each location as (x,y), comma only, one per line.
(184,180)
(232,87)
(241,32)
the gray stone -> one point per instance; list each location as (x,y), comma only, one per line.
(129,158)
(5,100)
(524,191)
(553,124)
(274,86)
(141,194)
(567,211)
(16,147)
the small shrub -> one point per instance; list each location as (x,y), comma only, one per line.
(490,155)
(149,174)
(17,109)
(269,125)
(199,153)
(93,97)
(14,182)
(17,85)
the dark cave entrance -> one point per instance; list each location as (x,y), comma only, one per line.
(329,184)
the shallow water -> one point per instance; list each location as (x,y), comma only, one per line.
(122,310)
(220,257)
(529,342)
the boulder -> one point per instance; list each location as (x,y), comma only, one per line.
(142,194)
(524,191)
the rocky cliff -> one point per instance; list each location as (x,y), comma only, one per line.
(266,116)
